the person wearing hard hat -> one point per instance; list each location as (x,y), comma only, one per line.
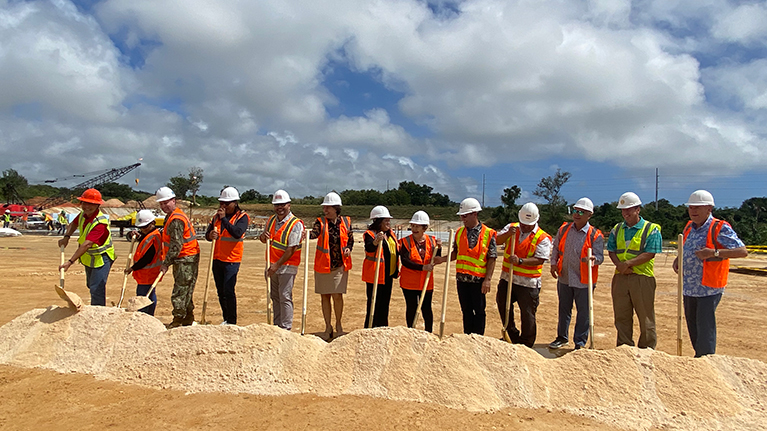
(95,252)
(182,251)
(632,246)
(147,258)
(419,253)
(7,218)
(332,260)
(475,251)
(709,244)
(62,220)
(379,232)
(570,266)
(285,231)
(523,270)
(228,228)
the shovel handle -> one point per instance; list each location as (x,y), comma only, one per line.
(207,281)
(445,285)
(423,292)
(155,283)
(268,282)
(505,330)
(679,281)
(591,300)
(125,276)
(306,283)
(379,252)
(61,270)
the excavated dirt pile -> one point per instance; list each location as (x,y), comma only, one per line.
(624,387)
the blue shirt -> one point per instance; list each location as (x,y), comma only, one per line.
(693,266)
(654,243)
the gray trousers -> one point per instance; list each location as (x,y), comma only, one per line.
(282,300)
(634,293)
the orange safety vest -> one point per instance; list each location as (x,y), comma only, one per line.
(190,245)
(149,273)
(523,250)
(322,255)
(409,278)
(229,248)
(592,234)
(369,264)
(280,240)
(715,269)
(473,261)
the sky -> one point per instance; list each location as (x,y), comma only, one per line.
(465,96)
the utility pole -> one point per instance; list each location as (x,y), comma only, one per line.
(483,190)
(656,189)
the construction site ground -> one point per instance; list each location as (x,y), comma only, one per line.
(42,399)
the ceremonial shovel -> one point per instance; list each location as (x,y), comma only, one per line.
(207,281)
(125,276)
(444,287)
(379,252)
(138,302)
(504,330)
(71,298)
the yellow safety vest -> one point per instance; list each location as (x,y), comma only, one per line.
(635,247)
(94,256)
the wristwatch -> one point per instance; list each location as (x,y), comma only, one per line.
(716,252)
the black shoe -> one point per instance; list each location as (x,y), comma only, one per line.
(557,344)
(578,347)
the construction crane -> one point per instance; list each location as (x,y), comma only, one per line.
(108,176)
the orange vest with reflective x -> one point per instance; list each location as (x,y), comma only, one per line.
(149,273)
(369,264)
(523,250)
(190,247)
(228,248)
(409,278)
(715,269)
(280,240)
(322,255)
(592,234)
(473,261)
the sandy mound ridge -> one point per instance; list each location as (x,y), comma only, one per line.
(626,387)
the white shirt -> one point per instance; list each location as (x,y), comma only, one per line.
(542,251)
(294,239)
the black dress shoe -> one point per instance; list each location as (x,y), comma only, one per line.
(557,344)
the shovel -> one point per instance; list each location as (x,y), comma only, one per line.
(268,282)
(423,293)
(444,287)
(71,298)
(679,281)
(505,329)
(207,282)
(125,277)
(306,283)
(138,302)
(591,301)
(379,253)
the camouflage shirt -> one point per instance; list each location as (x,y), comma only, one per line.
(175,230)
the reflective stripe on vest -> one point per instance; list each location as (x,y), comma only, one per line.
(715,269)
(228,248)
(322,254)
(369,264)
(409,278)
(280,240)
(189,246)
(147,274)
(94,256)
(525,249)
(592,234)
(635,247)
(473,261)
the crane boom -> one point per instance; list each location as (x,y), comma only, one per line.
(110,175)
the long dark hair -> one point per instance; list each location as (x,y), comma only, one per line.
(376,225)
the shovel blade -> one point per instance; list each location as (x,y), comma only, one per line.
(137,303)
(72,299)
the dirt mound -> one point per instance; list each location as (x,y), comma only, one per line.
(625,387)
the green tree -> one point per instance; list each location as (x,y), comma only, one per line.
(549,188)
(182,185)
(506,213)
(113,190)
(12,185)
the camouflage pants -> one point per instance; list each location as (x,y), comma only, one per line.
(184,279)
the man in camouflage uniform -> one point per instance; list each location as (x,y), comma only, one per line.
(183,252)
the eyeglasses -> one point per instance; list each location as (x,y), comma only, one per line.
(579,212)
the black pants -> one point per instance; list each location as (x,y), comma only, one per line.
(411,303)
(225,276)
(473,303)
(383,297)
(528,300)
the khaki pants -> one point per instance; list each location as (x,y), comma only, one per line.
(634,293)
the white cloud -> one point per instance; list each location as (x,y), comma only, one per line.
(744,24)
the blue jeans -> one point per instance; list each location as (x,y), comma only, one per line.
(700,313)
(567,295)
(225,276)
(96,280)
(142,290)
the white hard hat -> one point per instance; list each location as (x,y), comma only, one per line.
(280,197)
(164,193)
(420,217)
(700,197)
(468,206)
(229,194)
(144,217)
(331,199)
(7,211)
(529,214)
(585,204)
(629,200)
(379,212)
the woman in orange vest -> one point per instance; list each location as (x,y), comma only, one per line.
(332,260)
(419,253)
(379,232)
(228,227)
(147,258)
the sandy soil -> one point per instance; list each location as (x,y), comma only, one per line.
(34,398)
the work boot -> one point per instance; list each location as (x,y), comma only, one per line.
(177,321)
(188,319)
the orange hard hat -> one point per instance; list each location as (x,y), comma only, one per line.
(91,196)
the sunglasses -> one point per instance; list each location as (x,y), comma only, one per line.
(579,212)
